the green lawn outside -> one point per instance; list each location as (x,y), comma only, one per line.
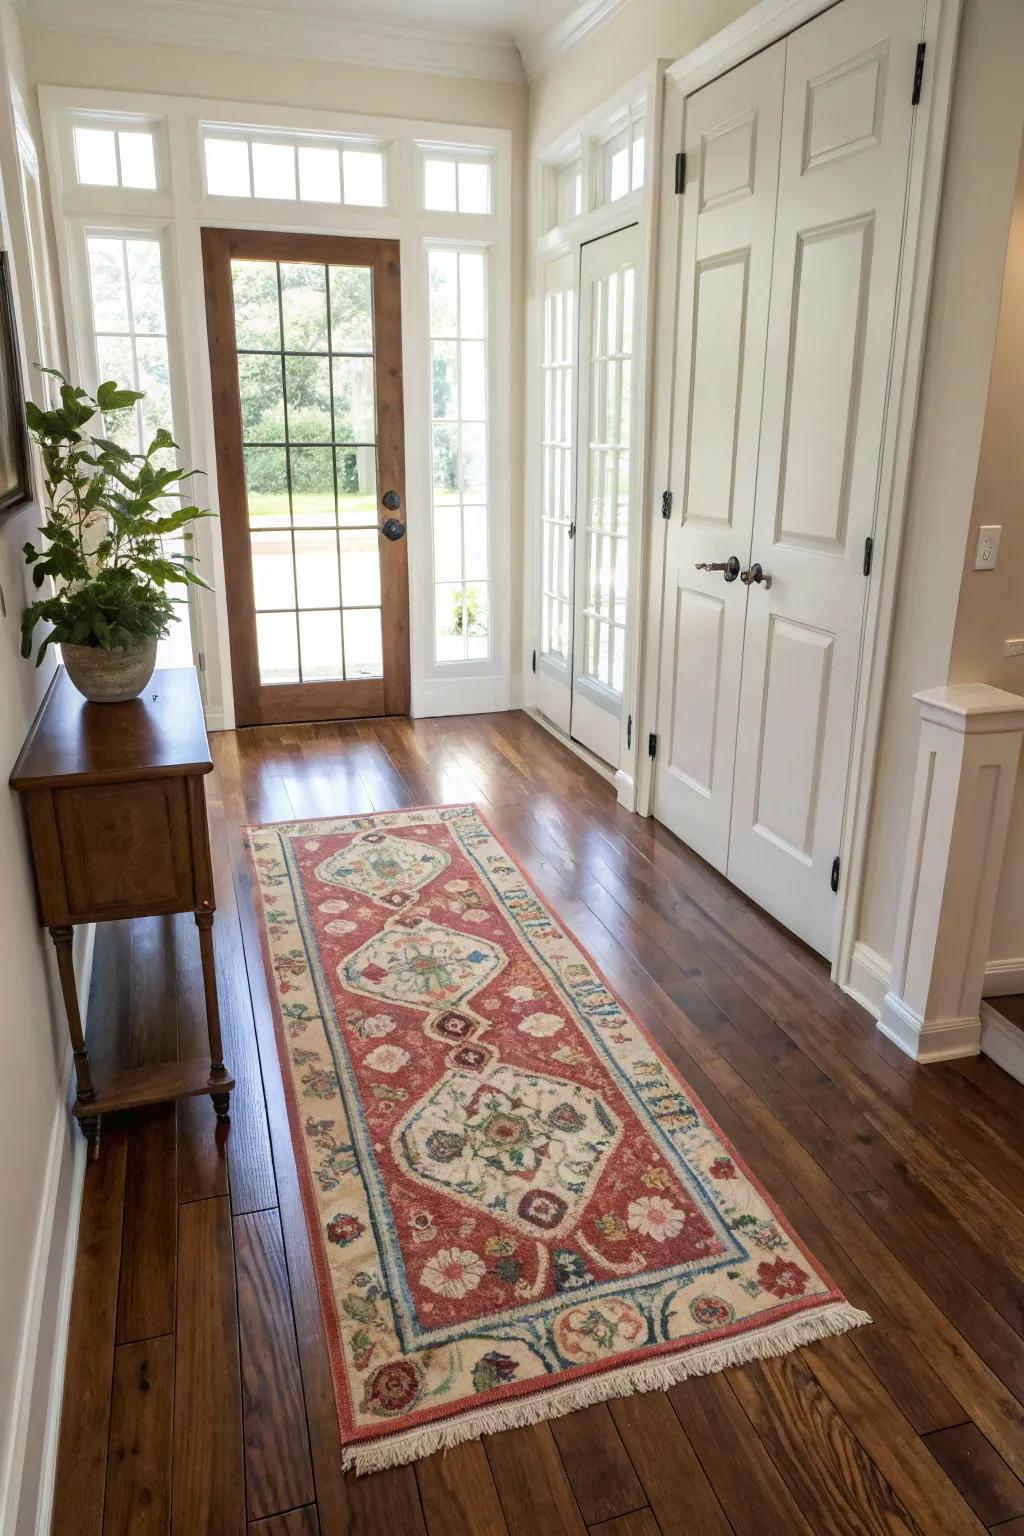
(272,506)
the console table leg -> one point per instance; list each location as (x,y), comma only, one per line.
(62,937)
(204,922)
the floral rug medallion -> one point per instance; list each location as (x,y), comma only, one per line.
(516,1206)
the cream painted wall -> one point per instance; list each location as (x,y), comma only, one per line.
(992,602)
(977,201)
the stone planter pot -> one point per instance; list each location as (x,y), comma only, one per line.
(109,677)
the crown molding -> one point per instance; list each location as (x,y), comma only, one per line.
(542,45)
(290,32)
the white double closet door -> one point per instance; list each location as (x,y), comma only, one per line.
(589,490)
(792,227)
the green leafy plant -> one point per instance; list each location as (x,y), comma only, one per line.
(108,515)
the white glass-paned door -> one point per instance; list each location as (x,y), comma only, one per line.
(558,369)
(605,486)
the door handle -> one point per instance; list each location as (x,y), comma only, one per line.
(731,567)
(756,577)
(393,529)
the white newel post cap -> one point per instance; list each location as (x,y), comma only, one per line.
(972,708)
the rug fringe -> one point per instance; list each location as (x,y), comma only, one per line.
(642,1376)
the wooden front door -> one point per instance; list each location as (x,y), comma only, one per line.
(305,337)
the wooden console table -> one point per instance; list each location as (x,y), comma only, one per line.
(117,826)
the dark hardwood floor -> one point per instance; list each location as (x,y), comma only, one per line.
(198,1398)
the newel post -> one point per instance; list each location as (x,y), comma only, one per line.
(966,773)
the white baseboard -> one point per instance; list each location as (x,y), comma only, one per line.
(869,978)
(1004,978)
(625,788)
(928,1039)
(1002,1041)
(868,981)
(26,1488)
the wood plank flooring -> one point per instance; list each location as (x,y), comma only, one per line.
(198,1399)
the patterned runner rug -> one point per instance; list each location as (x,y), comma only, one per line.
(516,1206)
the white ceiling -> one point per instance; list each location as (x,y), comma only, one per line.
(501,39)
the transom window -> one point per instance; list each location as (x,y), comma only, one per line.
(621,158)
(292,170)
(458,370)
(456,182)
(115,157)
(304,335)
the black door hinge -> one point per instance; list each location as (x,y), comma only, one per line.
(572,530)
(869,545)
(535,661)
(666,504)
(629,732)
(915,95)
(652,745)
(834,882)
(680,173)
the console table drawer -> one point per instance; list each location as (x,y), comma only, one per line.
(125,848)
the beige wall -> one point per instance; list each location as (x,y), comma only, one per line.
(977,200)
(991,607)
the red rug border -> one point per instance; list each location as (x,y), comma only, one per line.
(325,1289)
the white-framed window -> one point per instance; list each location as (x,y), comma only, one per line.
(126,276)
(294,168)
(621,157)
(456,180)
(568,190)
(116,152)
(457,296)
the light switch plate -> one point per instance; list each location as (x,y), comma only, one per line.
(987,549)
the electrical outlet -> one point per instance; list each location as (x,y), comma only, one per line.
(1013,647)
(987,549)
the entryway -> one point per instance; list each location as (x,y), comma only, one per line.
(305,336)
(795,197)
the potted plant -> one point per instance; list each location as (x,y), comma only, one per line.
(108,513)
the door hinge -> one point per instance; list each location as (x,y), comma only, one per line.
(629,732)
(915,95)
(201,661)
(572,530)
(680,173)
(652,745)
(535,661)
(666,504)
(869,545)
(834,882)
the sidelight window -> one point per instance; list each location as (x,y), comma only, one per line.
(458,370)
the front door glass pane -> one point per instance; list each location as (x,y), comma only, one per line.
(309,421)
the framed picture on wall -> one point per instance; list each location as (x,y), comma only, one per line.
(15,482)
